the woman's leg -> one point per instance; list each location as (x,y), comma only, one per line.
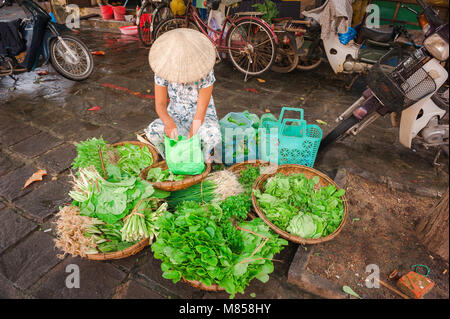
(155,134)
(210,136)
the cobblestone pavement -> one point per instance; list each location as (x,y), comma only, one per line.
(42,116)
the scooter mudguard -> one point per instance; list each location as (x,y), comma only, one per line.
(411,124)
(337,52)
(45,49)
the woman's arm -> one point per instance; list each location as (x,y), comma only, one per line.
(204,96)
(170,128)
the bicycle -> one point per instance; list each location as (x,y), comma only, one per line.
(151,13)
(248,40)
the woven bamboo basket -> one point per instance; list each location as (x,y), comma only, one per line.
(202,286)
(175,185)
(127,252)
(152,149)
(324,181)
(239,167)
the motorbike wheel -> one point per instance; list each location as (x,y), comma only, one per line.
(338,132)
(144,27)
(63,62)
(286,59)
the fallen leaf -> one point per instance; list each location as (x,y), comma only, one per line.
(267,111)
(302,98)
(350,291)
(54,178)
(444,272)
(261,80)
(12,88)
(42,73)
(95,108)
(149,91)
(251,90)
(37,176)
(98,52)
(355,219)
(321,122)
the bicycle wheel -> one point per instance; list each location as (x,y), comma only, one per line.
(171,24)
(144,17)
(251,46)
(161,13)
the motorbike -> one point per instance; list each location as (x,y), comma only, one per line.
(411,90)
(358,56)
(5,3)
(69,56)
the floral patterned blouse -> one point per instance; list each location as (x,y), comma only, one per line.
(183,97)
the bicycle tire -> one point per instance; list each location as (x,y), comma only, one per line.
(271,53)
(145,24)
(162,12)
(338,131)
(178,22)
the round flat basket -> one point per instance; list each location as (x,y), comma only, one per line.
(239,167)
(324,181)
(127,252)
(175,185)
(202,286)
(153,151)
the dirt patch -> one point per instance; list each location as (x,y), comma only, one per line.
(380,230)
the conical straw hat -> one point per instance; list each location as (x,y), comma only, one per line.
(182,55)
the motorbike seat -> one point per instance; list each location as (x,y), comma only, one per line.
(377,35)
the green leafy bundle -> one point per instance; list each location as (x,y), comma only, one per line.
(109,201)
(87,153)
(201,192)
(192,244)
(133,158)
(107,237)
(293,203)
(248,177)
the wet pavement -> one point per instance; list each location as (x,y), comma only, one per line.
(42,116)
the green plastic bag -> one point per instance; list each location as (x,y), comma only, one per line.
(185,156)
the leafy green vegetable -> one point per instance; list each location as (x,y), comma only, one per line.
(87,153)
(269,9)
(157,174)
(248,177)
(142,224)
(193,244)
(294,203)
(109,201)
(133,158)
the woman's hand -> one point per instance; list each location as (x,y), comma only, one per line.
(170,129)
